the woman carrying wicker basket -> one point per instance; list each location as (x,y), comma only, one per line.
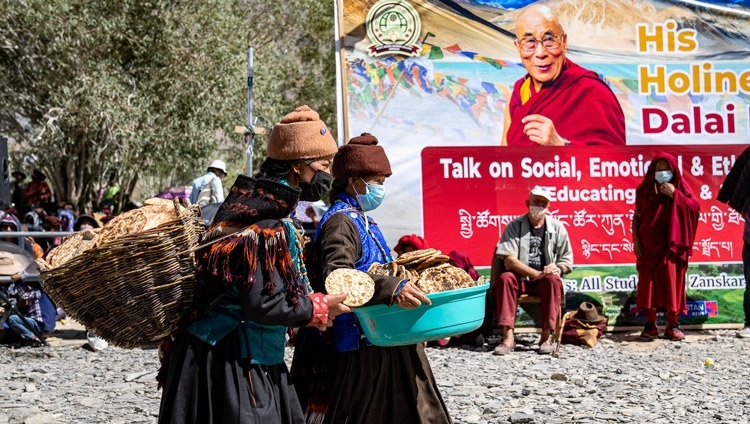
(226,363)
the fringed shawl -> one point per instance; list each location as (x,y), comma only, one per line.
(258,205)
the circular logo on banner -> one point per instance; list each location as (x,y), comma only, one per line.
(393,26)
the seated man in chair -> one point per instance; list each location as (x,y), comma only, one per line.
(532,255)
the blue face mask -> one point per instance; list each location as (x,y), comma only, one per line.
(663,176)
(372,198)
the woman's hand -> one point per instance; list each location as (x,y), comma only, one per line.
(335,307)
(411,297)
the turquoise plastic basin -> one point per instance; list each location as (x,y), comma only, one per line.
(451,313)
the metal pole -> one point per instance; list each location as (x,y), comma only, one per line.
(250,133)
(37,234)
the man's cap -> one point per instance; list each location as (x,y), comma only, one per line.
(220,165)
(541,192)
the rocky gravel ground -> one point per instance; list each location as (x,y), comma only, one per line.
(620,380)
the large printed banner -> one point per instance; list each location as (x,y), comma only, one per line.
(470,194)
(450,90)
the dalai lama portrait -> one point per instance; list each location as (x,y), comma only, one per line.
(558,103)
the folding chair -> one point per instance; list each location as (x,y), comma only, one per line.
(559,322)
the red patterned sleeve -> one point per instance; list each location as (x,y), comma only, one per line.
(320,310)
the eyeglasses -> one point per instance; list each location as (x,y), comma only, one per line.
(529,44)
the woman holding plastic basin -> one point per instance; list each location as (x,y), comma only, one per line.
(341,377)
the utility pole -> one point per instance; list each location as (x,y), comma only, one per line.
(250,130)
(251,127)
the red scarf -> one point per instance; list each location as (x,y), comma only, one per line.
(580,104)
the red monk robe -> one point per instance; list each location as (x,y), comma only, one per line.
(666,231)
(582,107)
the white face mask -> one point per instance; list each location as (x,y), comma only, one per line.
(537,212)
(663,176)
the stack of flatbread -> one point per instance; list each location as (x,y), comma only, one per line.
(428,269)
(393,269)
(74,245)
(422,259)
(153,213)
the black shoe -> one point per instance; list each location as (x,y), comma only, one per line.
(31,343)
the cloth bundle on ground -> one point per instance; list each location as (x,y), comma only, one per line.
(585,327)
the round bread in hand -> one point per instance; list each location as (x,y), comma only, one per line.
(357,285)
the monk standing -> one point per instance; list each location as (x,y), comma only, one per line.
(558,103)
(664,223)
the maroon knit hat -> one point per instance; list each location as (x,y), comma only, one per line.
(360,157)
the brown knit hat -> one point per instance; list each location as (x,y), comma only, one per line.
(360,157)
(301,135)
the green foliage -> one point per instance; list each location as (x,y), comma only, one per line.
(710,270)
(152,89)
(294,60)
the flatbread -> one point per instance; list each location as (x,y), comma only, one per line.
(357,285)
(416,256)
(158,214)
(434,280)
(433,261)
(130,222)
(413,275)
(462,279)
(154,213)
(443,278)
(402,273)
(72,246)
(378,269)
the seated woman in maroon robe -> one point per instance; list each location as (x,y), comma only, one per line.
(558,103)
(664,223)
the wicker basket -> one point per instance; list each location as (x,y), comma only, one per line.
(133,290)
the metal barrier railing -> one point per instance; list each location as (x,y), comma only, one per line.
(35,234)
(39,234)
